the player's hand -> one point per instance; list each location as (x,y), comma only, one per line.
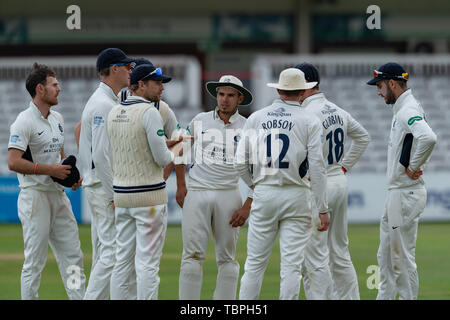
(180,195)
(168,170)
(113,205)
(413,174)
(77,185)
(241,215)
(172,142)
(60,171)
(324,221)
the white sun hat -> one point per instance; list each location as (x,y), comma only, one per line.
(292,79)
(233,82)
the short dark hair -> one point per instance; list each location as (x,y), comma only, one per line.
(104,72)
(134,87)
(401,83)
(290,93)
(38,75)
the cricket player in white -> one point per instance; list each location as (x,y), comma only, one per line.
(331,247)
(411,142)
(213,201)
(36,147)
(139,153)
(172,130)
(96,167)
(279,141)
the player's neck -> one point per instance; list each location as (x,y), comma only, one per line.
(115,87)
(42,106)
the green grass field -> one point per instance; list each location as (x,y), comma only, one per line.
(432,257)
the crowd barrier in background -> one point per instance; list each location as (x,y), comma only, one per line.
(365,202)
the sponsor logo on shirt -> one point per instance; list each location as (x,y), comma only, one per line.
(414,119)
(15,138)
(160,132)
(280,112)
(328,110)
(98,120)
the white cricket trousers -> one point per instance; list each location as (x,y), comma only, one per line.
(140,239)
(205,211)
(398,234)
(47,219)
(104,230)
(285,210)
(331,247)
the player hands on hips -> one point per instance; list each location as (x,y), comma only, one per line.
(213,201)
(411,142)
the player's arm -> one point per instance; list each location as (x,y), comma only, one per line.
(426,140)
(153,126)
(77,132)
(18,143)
(241,160)
(101,151)
(18,164)
(317,170)
(360,140)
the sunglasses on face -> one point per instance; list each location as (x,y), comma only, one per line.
(129,66)
(377,74)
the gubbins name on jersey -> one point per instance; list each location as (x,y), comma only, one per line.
(331,120)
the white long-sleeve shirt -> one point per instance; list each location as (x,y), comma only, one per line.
(277,141)
(409,118)
(95,157)
(337,124)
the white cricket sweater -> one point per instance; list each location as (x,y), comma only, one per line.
(139,153)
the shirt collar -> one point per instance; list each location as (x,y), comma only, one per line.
(400,100)
(107,89)
(313,97)
(232,119)
(34,108)
(290,103)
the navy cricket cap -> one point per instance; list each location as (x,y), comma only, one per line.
(146,72)
(74,175)
(310,71)
(140,61)
(112,56)
(390,70)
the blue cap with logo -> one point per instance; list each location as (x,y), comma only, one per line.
(112,56)
(146,72)
(390,70)
(310,71)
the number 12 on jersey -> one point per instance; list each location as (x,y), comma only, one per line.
(280,163)
(335,137)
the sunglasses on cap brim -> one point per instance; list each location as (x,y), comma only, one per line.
(157,71)
(379,74)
